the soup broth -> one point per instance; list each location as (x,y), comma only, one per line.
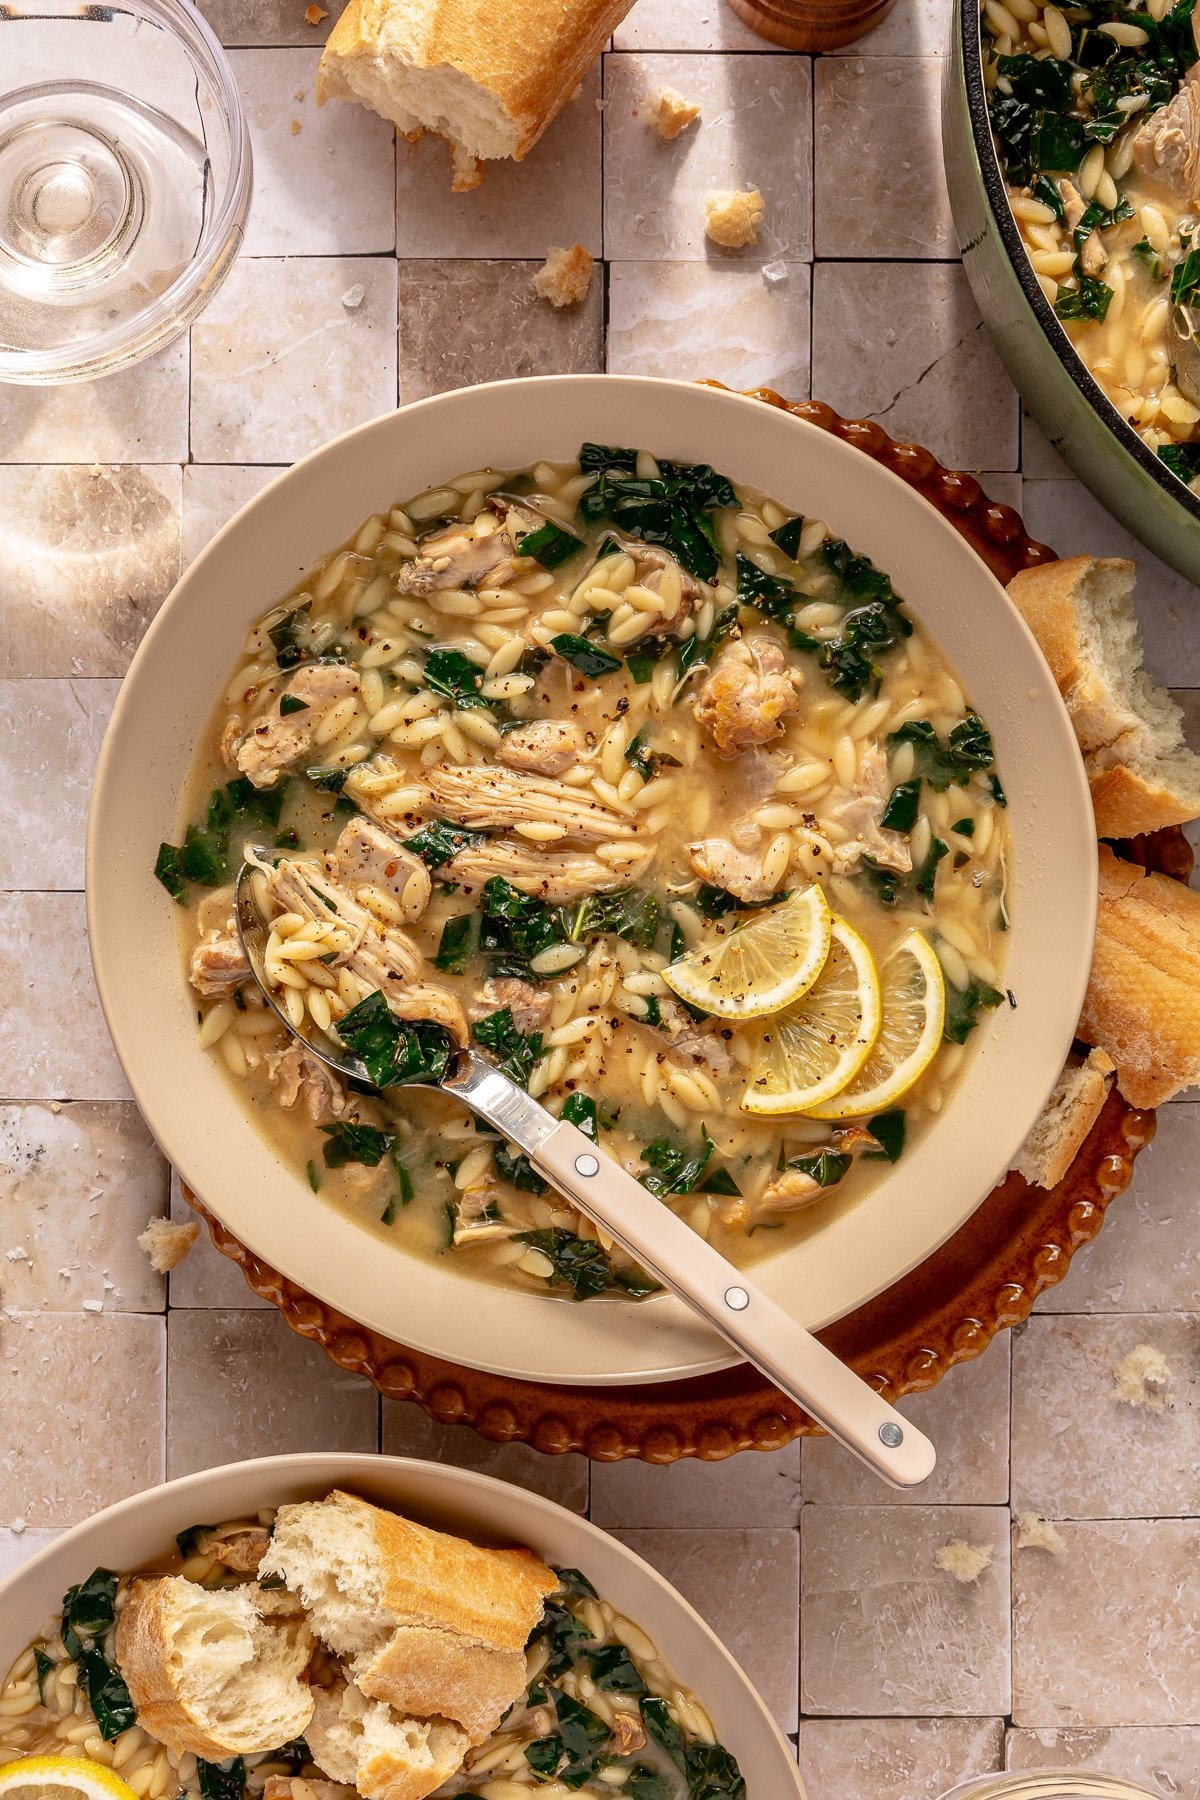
(513,754)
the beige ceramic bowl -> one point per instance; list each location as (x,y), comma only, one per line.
(137,1530)
(852,1251)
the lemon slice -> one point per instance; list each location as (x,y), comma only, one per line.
(812,1050)
(762,967)
(61,1778)
(914,1011)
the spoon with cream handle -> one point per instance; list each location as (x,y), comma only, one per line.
(667,1248)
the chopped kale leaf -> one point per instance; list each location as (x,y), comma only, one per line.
(1183,460)
(88,1610)
(900,813)
(514,927)
(967,750)
(549,545)
(394,1050)
(284,637)
(963,1006)
(514,1052)
(590,659)
(222,1780)
(656,1716)
(290,704)
(580,1267)
(788,536)
(614,1671)
(453,674)
(825,1167)
(45,1668)
(772,595)
(440,841)
(518,1171)
(712,1773)
(631,913)
(455,944)
(350,1143)
(889,1130)
(107,1694)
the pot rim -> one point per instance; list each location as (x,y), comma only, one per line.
(970,37)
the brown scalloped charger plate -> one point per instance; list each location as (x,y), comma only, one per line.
(982,1280)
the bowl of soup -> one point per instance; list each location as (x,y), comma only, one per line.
(616,1651)
(668,750)
(1070,153)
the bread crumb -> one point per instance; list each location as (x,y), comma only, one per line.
(565,276)
(1036,1533)
(669,113)
(166,1243)
(966,1562)
(775,274)
(467,170)
(1142,1378)
(732,216)
(295,128)
(354,296)
(16,1526)
(314,14)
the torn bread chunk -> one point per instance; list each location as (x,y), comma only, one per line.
(1141,772)
(565,276)
(213,1672)
(431,1624)
(486,75)
(1142,1378)
(669,113)
(167,1243)
(1143,999)
(732,217)
(385,1757)
(1066,1119)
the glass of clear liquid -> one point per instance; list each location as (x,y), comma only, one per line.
(125,178)
(1050,1784)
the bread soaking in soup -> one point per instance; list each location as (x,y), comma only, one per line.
(653,790)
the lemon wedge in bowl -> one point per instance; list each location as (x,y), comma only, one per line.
(61,1778)
(914,1012)
(814,1048)
(759,967)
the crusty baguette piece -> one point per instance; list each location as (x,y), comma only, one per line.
(363,1742)
(486,75)
(1141,772)
(428,1622)
(1065,1120)
(1143,999)
(208,1672)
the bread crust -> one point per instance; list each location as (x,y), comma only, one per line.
(1066,1119)
(1126,805)
(430,1578)
(426,1672)
(142,1647)
(529,55)
(1143,999)
(1047,598)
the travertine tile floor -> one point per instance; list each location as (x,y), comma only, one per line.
(364,281)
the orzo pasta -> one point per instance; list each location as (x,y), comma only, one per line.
(520,755)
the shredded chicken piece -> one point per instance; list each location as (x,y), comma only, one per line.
(1093,256)
(706,1045)
(380,955)
(366,855)
(278,740)
(1074,205)
(1166,148)
(558,875)
(793,1188)
(219,965)
(717,861)
(748,693)
(545,747)
(628,1733)
(303,1079)
(166,1243)
(479,797)
(459,556)
(529,1005)
(240,1549)
(858,812)
(472,1223)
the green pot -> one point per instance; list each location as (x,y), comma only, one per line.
(1080,421)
